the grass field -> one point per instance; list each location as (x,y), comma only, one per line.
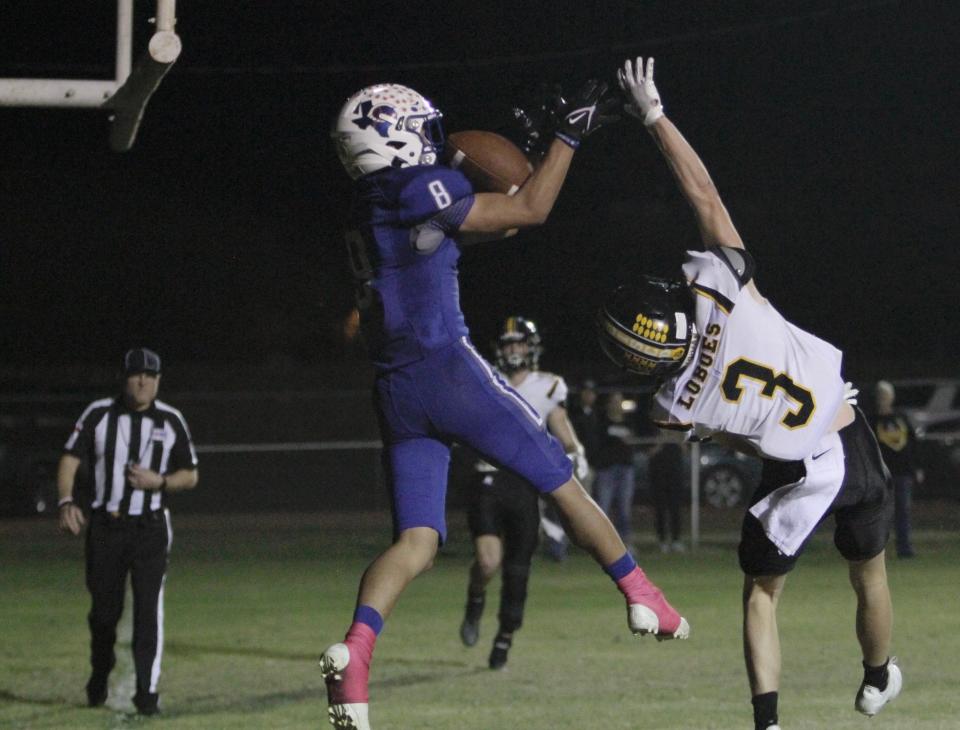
(252,600)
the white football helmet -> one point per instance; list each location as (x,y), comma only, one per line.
(387,125)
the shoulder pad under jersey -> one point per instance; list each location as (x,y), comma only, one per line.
(434,189)
(739,260)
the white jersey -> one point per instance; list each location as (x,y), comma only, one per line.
(752,374)
(543,391)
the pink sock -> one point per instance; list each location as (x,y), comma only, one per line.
(638,589)
(353,687)
(634,585)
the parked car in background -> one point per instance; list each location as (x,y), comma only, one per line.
(931,404)
(727,478)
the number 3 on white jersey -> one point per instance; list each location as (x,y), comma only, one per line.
(732,391)
(440,195)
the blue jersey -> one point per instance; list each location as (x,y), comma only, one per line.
(405,259)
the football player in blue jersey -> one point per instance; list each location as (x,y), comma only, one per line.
(432,388)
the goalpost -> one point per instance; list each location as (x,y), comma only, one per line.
(125,96)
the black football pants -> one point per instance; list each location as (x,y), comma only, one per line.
(507,506)
(117,546)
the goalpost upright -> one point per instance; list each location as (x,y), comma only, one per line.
(126,95)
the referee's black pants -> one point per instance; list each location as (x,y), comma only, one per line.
(116,546)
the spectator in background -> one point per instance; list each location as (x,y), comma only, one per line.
(615,482)
(666,487)
(586,424)
(898,446)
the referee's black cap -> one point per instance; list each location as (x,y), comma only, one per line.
(141,360)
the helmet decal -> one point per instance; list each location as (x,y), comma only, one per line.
(381,118)
(647,327)
(387,125)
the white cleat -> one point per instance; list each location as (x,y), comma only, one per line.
(871,700)
(349,717)
(346,715)
(642,621)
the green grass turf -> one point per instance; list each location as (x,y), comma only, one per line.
(251,601)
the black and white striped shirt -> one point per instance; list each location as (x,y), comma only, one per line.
(109,436)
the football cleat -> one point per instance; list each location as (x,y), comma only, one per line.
(871,700)
(470,628)
(96,691)
(498,654)
(654,615)
(349,717)
(344,714)
(469,631)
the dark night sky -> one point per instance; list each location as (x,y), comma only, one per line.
(829,128)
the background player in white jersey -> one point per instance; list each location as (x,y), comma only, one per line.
(504,510)
(731,367)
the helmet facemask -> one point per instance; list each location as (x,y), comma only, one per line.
(518,330)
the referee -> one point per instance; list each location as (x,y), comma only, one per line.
(137,449)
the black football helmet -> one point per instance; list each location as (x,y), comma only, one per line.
(518,329)
(648,327)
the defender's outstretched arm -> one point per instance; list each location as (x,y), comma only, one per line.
(716,227)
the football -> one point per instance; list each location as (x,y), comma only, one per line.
(493,164)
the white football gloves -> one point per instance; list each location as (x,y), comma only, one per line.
(850,393)
(580,466)
(644,98)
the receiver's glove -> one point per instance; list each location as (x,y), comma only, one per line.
(585,112)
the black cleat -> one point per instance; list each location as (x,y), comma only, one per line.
(501,647)
(96,691)
(470,628)
(147,704)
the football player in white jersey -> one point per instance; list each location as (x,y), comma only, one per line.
(504,510)
(732,368)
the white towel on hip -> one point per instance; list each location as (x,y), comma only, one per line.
(791,512)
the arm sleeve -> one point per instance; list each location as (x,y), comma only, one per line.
(183,455)
(80,441)
(557,393)
(440,195)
